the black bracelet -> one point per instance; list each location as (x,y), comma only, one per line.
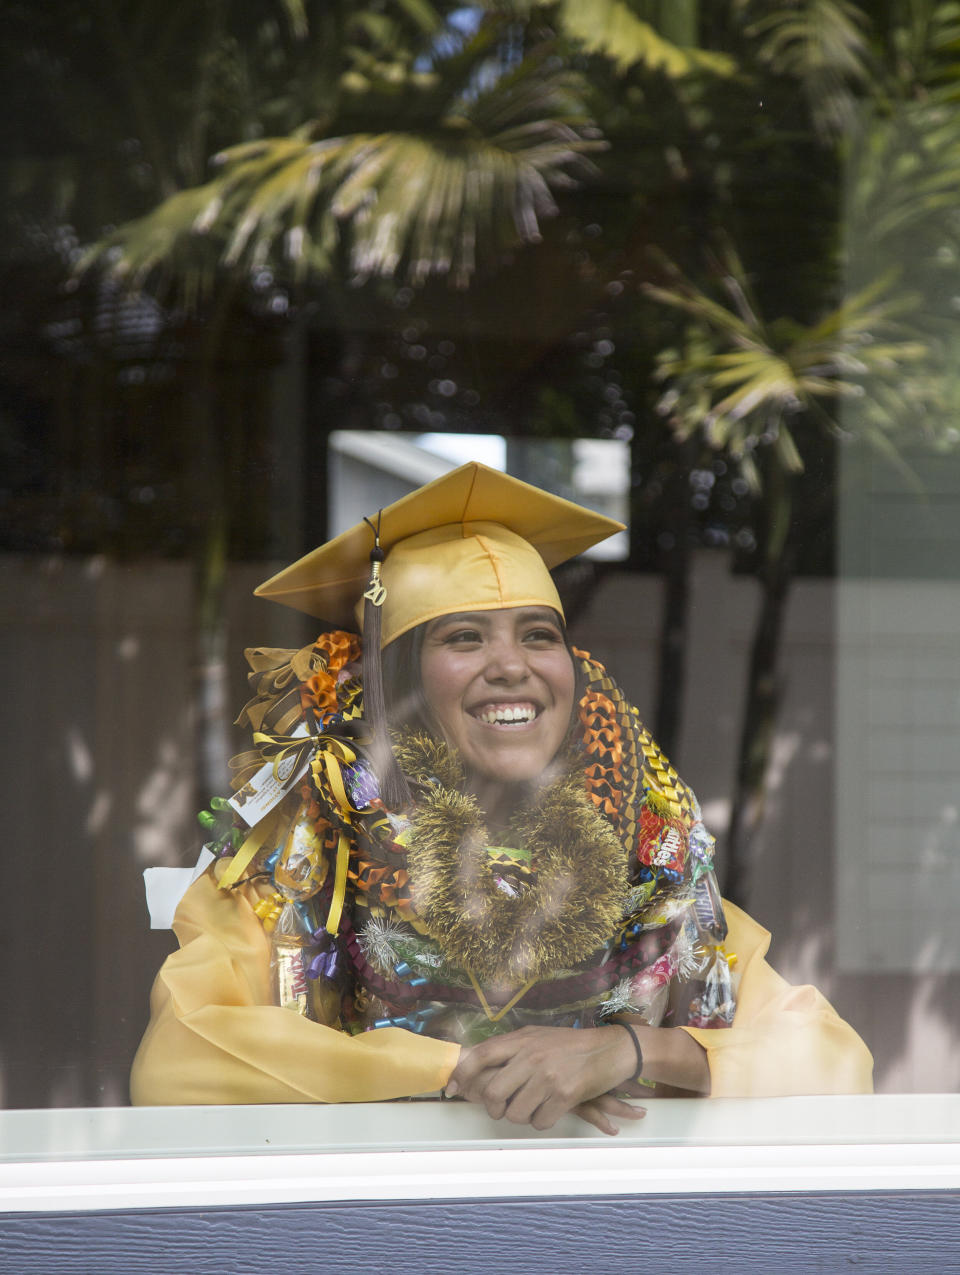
(636,1044)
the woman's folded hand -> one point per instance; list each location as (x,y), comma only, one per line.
(538,1074)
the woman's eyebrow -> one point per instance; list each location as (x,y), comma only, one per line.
(476,619)
(538,613)
(461,617)
(524,615)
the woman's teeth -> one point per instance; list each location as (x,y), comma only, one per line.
(499,716)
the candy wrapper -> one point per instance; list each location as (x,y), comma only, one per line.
(293,987)
(305,961)
(300,868)
(688,985)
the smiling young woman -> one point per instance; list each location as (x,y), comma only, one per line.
(504,889)
(500,686)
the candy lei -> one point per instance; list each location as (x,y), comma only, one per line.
(614,852)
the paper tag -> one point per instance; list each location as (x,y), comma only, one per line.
(259,795)
(165,888)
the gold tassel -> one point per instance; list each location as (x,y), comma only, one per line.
(394,791)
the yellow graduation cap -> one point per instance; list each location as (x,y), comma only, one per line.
(473,540)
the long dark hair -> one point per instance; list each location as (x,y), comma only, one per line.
(406,703)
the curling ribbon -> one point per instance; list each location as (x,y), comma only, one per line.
(339,886)
(244,856)
(326,956)
(269,909)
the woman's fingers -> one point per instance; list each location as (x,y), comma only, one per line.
(537,1074)
(467,1081)
(489,1054)
(598,1112)
(510,1090)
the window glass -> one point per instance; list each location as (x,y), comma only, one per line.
(694,266)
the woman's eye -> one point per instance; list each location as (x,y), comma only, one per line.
(461,637)
(543,635)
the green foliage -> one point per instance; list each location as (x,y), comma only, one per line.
(613,29)
(742,381)
(901,193)
(824,45)
(480,144)
(121,104)
(862,344)
(411,140)
(921,49)
(485,126)
(425,201)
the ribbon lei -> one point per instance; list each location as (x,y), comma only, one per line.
(332,759)
(328,754)
(296,748)
(332,925)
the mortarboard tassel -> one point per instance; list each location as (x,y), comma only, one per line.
(394,791)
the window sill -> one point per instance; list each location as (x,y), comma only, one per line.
(203,1157)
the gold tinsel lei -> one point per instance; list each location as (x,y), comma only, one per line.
(578,873)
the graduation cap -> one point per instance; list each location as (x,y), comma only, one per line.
(473,540)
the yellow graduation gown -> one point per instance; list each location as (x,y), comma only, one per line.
(215,1037)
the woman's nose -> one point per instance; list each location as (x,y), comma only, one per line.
(506,662)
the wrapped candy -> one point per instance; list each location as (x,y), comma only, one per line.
(304,959)
(301,866)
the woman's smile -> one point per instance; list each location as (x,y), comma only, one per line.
(500,685)
(506,714)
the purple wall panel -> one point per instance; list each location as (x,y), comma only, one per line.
(875,1233)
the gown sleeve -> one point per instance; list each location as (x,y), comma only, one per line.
(784,1040)
(215,1037)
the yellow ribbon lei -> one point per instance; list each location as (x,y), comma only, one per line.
(339,885)
(334,754)
(333,757)
(278,748)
